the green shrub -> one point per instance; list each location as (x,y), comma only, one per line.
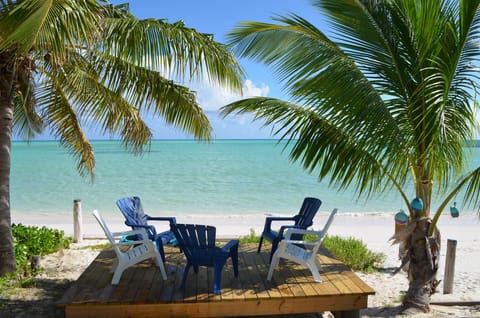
(250,238)
(30,241)
(40,240)
(354,253)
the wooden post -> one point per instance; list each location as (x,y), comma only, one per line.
(77,221)
(449,267)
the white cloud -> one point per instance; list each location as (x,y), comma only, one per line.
(211,97)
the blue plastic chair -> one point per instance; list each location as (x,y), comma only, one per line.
(132,210)
(302,220)
(198,244)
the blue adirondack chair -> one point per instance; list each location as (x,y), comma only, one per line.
(302,220)
(198,244)
(131,208)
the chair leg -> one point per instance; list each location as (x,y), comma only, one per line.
(118,274)
(195,268)
(217,278)
(159,244)
(234,256)
(185,274)
(274,249)
(160,264)
(273,264)
(114,265)
(260,244)
(314,269)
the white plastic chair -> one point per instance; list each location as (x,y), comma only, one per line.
(300,251)
(138,252)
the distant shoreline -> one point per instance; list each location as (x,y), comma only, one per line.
(474,143)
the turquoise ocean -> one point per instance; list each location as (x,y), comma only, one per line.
(181,177)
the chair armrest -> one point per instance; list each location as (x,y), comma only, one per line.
(287,227)
(132,243)
(149,228)
(270,219)
(230,244)
(132,232)
(146,227)
(170,219)
(291,231)
(299,242)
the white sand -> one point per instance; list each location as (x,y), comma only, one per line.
(373,230)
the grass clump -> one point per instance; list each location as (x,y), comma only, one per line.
(353,253)
(250,238)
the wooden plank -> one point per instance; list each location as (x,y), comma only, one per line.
(258,278)
(134,284)
(244,288)
(360,283)
(333,269)
(121,290)
(177,293)
(228,281)
(305,280)
(281,277)
(153,294)
(99,270)
(219,309)
(204,283)
(146,283)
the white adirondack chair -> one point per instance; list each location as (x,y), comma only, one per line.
(306,253)
(138,252)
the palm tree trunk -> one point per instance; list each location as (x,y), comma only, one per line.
(7,74)
(423,255)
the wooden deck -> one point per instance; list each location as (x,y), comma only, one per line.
(142,293)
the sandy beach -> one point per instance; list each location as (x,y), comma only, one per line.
(374,230)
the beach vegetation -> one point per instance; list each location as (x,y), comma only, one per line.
(354,253)
(66,65)
(252,237)
(400,297)
(382,96)
(30,243)
(40,240)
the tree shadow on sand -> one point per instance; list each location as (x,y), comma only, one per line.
(38,299)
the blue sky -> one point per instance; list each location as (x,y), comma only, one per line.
(218,17)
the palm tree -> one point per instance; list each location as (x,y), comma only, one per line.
(386,101)
(67,64)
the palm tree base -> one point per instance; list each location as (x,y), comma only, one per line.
(413,310)
(422,255)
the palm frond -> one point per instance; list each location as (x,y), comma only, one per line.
(145,91)
(321,145)
(50,25)
(26,121)
(62,117)
(172,49)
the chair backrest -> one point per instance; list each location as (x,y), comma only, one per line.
(194,239)
(105,229)
(324,231)
(329,222)
(132,210)
(307,212)
(320,236)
